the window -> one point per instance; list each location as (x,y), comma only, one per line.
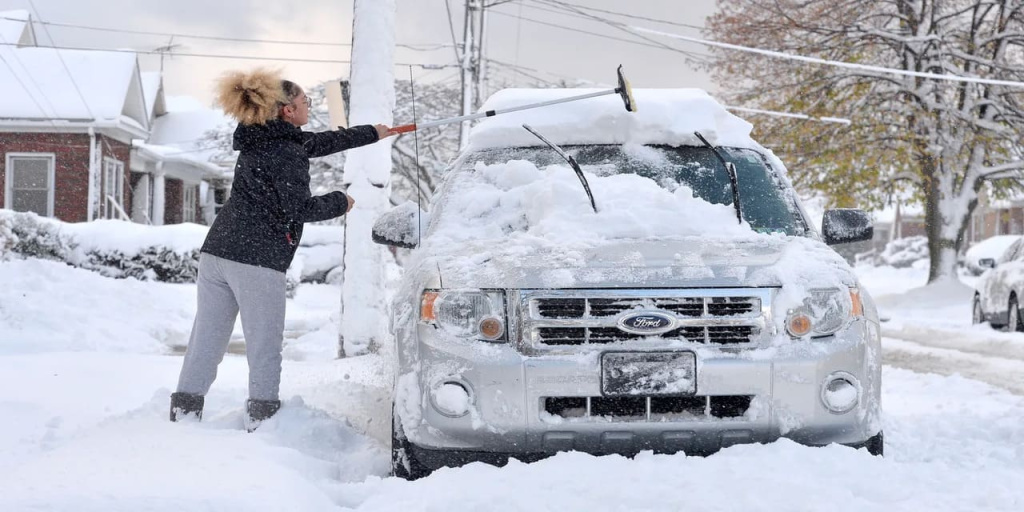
(113,188)
(189,203)
(29,182)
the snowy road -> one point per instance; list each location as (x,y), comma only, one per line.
(87,430)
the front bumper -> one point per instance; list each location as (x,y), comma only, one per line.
(508,415)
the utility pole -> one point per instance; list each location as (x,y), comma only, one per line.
(472,62)
(367,175)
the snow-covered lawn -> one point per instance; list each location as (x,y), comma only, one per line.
(86,366)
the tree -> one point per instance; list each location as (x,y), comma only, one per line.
(946,140)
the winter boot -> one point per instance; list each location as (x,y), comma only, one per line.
(186,404)
(260,410)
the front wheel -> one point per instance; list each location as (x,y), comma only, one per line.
(1013,322)
(876,445)
(977,315)
(403,461)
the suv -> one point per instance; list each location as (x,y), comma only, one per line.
(623,307)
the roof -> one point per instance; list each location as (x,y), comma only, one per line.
(663,116)
(179,135)
(46,84)
(16,28)
(153,90)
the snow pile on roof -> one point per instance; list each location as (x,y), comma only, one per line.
(14,27)
(664,116)
(182,133)
(38,86)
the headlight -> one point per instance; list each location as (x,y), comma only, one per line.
(824,312)
(476,314)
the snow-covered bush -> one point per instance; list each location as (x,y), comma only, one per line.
(152,263)
(32,236)
(904,252)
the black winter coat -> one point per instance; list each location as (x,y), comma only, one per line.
(261,224)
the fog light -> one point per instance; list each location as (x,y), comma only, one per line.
(840,392)
(451,399)
(491,328)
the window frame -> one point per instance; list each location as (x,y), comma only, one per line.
(51,178)
(109,212)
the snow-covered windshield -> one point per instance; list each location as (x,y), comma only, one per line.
(765,203)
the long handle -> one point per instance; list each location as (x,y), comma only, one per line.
(491,113)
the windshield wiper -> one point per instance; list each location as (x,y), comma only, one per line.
(731,170)
(572,163)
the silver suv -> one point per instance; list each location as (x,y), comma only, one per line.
(661,344)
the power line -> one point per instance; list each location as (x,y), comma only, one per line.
(410,46)
(633,16)
(605,36)
(225,56)
(451,28)
(65,64)
(839,64)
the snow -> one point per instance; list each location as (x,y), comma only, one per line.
(103,79)
(663,116)
(13,25)
(85,375)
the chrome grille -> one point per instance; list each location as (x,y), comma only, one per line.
(553,320)
(650,408)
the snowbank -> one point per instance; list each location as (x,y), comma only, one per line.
(663,116)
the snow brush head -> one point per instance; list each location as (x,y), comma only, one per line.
(626,91)
(253,97)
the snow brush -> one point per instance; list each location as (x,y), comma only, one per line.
(624,90)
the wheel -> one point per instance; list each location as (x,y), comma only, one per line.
(403,461)
(1013,323)
(876,445)
(977,316)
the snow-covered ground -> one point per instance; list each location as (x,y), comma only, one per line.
(87,364)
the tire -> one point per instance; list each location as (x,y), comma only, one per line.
(1013,323)
(977,315)
(404,464)
(876,445)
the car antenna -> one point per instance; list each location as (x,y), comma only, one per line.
(729,169)
(572,163)
(416,145)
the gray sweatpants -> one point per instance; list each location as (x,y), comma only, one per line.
(226,288)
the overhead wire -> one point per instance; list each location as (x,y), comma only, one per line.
(67,70)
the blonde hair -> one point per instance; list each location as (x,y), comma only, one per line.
(251,97)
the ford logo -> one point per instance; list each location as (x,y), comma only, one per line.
(648,323)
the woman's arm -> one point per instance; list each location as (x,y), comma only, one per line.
(319,144)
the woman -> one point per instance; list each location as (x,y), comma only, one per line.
(253,240)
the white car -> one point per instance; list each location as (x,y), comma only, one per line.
(599,293)
(984,254)
(999,291)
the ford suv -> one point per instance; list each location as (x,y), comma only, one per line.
(615,282)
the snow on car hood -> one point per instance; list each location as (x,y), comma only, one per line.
(663,116)
(512,225)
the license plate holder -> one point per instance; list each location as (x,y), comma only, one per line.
(649,373)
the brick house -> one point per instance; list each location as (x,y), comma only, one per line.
(75,137)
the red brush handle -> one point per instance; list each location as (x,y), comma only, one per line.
(405,128)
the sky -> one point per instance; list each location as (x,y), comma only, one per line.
(531,38)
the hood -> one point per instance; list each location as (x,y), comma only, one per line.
(250,137)
(763,261)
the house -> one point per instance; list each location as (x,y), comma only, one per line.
(995,217)
(76,137)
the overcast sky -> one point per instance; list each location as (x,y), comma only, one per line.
(519,33)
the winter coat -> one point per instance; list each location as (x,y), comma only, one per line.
(261,224)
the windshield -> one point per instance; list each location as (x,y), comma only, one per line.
(765,203)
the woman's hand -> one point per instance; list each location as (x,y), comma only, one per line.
(383,131)
(351,202)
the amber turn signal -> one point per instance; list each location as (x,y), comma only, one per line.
(427,313)
(858,307)
(491,328)
(799,324)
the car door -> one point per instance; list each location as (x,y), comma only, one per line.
(997,284)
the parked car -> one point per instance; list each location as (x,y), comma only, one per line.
(599,294)
(999,290)
(983,255)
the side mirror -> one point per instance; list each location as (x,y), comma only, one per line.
(846,225)
(400,226)
(987,263)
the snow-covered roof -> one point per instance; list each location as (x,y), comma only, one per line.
(152,89)
(663,116)
(16,28)
(179,135)
(45,84)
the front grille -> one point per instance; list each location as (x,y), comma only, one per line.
(715,335)
(653,408)
(558,308)
(568,320)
